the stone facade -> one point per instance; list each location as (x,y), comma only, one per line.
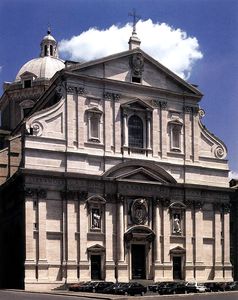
(119,179)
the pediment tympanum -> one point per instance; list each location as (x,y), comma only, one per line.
(137,104)
(139,171)
(119,67)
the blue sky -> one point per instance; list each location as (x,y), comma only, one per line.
(213,23)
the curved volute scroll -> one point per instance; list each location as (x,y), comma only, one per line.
(211,145)
(48,122)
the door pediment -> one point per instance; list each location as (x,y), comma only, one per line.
(140,174)
(139,171)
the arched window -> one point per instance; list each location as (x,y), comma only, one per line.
(51,50)
(135,130)
(45,50)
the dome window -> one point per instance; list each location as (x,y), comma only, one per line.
(27,79)
(27,83)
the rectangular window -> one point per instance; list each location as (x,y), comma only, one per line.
(27,84)
(94,127)
(175,137)
(136,79)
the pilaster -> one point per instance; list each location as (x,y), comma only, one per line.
(108,121)
(42,262)
(199,264)
(227,263)
(158,267)
(110,264)
(122,267)
(72,243)
(163,126)
(187,132)
(156,131)
(189,265)
(218,242)
(167,265)
(83,225)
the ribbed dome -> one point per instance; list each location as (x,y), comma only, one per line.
(42,67)
(47,64)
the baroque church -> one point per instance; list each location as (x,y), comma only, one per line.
(107,173)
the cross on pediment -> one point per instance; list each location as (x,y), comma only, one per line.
(135,19)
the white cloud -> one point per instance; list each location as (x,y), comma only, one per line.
(233,175)
(0,69)
(171,47)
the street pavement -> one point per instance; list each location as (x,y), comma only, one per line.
(65,295)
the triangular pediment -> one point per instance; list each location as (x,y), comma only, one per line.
(139,171)
(27,75)
(140,175)
(118,67)
(177,250)
(137,104)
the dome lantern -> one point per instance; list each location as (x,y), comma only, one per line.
(49,46)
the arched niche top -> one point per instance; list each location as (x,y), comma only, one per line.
(175,122)
(139,232)
(95,199)
(126,170)
(177,205)
(93,110)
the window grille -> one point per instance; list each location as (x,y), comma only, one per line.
(135,128)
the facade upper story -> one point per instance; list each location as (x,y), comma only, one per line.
(124,107)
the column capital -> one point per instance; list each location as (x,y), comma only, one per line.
(120,198)
(188,109)
(188,203)
(30,192)
(42,193)
(112,96)
(80,90)
(226,208)
(198,204)
(163,105)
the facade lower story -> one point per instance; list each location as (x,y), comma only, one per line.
(99,229)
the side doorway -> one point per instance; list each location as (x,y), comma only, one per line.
(177,268)
(96,273)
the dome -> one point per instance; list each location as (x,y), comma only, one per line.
(42,67)
(49,37)
(45,66)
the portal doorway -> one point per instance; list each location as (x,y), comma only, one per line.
(177,267)
(138,261)
(96,267)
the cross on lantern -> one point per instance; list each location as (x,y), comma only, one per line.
(135,19)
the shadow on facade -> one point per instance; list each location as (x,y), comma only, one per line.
(12,251)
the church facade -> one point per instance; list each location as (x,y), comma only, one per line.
(112,176)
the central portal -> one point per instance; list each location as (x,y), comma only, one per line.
(138,261)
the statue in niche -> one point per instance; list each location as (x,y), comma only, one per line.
(96,218)
(176,224)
